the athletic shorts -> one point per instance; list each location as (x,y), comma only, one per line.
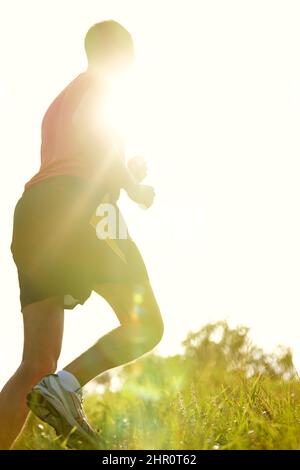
(57,248)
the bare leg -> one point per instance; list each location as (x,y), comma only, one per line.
(141,328)
(43,330)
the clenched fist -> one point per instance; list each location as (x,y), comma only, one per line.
(138,168)
(142,194)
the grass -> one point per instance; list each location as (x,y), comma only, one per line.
(238,398)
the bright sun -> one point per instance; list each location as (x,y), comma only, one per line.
(124,112)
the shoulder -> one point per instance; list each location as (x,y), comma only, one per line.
(89,101)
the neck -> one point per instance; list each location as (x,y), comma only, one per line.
(99,71)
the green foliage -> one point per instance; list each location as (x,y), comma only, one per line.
(216,345)
(222,393)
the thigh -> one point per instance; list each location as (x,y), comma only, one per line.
(43,329)
(131,301)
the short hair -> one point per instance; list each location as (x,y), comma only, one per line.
(107,39)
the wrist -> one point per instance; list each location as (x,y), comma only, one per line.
(132,188)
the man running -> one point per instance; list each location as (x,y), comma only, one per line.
(61,256)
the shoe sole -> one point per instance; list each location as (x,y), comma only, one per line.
(54,415)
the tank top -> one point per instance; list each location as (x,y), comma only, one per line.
(76,139)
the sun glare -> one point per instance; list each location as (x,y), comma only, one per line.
(121,108)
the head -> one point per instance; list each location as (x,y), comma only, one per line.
(109,47)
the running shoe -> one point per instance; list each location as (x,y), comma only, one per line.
(62,410)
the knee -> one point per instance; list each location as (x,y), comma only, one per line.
(156,332)
(152,333)
(34,370)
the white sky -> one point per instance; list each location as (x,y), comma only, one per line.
(221,135)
